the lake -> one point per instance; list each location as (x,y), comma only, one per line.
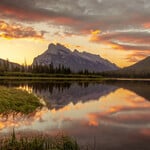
(107,115)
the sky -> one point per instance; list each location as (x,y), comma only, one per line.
(118,30)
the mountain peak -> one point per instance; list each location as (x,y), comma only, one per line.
(55,49)
(77,61)
(51,45)
(62,47)
(75,51)
(51,49)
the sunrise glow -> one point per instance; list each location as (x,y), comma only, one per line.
(116,30)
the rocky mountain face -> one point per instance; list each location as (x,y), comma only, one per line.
(76,61)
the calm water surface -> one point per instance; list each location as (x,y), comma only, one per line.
(108,115)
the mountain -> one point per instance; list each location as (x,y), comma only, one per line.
(141,66)
(76,61)
(7,65)
(139,69)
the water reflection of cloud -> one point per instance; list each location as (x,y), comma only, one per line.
(145,132)
(128,110)
(121,114)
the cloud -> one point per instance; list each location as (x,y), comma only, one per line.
(79,15)
(123,24)
(137,56)
(146,25)
(121,116)
(133,39)
(35,11)
(11,31)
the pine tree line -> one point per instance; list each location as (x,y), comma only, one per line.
(61,69)
(6,66)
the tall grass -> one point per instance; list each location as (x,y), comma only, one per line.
(60,142)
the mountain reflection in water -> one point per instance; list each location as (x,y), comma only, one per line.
(108,114)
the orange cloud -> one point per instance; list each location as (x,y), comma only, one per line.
(145,132)
(127,40)
(137,56)
(95,35)
(132,40)
(80,24)
(93,120)
(21,13)
(95,32)
(36,15)
(11,31)
(64,20)
(146,25)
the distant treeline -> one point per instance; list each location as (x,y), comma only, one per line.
(6,66)
(125,74)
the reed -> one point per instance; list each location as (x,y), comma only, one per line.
(39,142)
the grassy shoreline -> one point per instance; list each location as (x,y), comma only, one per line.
(15,100)
(82,78)
(29,76)
(53,78)
(59,77)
